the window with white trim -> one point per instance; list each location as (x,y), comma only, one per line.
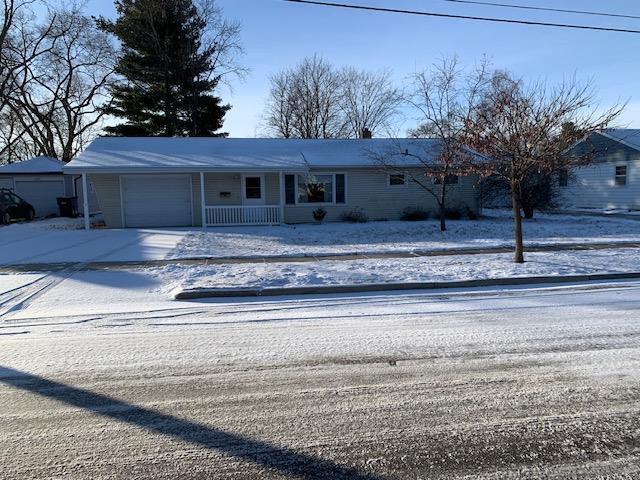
(621,175)
(396,180)
(316,188)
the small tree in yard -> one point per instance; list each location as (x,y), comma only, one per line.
(522,130)
(444,97)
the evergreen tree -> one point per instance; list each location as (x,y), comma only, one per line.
(168,82)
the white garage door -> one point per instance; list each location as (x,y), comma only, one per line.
(41,194)
(6,183)
(157,201)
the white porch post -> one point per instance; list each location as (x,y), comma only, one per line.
(282,196)
(85,202)
(203,210)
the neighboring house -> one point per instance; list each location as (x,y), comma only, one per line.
(40,181)
(613,180)
(163,182)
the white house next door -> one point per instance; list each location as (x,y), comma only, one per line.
(253,190)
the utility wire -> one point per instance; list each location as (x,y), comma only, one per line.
(546,9)
(463,17)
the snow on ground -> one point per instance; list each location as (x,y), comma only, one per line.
(538,384)
(496,229)
(63,240)
(423,269)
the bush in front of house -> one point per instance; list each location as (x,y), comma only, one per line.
(415,214)
(459,212)
(319,214)
(355,215)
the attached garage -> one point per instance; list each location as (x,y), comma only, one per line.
(157,200)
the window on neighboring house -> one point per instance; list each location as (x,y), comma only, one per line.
(621,175)
(563,177)
(396,179)
(320,188)
(448,180)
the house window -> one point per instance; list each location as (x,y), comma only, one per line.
(448,180)
(621,175)
(320,188)
(396,179)
(252,187)
(563,177)
(290,189)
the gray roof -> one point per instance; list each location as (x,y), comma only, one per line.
(33,166)
(162,154)
(627,136)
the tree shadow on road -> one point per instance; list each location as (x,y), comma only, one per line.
(278,458)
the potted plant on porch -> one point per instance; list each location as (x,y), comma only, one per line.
(319,214)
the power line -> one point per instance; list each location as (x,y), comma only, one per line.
(462,17)
(546,9)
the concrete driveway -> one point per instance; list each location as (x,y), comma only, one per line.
(62,240)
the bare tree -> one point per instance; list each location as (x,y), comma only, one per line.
(519,128)
(444,96)
(281,105)
(221,36)
(316,100)
(59,84)
(305,102)
(368,101)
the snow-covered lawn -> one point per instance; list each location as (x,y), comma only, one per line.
(495,230)
(424,269)
(69,292)
(63,240)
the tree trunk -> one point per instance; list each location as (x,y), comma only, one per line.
(443,210)
(517,219)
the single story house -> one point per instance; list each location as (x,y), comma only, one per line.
(170,182)
(613,180)
(40,181)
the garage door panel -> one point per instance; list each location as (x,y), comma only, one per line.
(42,194)
(157,201)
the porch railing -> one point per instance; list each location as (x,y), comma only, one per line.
(242,215)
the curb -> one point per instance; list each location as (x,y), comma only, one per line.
(194,293)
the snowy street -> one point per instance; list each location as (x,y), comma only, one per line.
(513,383)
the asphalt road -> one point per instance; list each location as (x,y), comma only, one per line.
(540,383)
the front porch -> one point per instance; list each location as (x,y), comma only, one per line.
(234,199)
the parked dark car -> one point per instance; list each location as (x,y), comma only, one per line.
(13,207)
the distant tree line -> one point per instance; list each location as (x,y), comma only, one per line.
(317,100)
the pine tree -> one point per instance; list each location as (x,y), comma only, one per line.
(168,83)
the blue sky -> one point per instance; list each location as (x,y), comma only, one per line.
(277,34)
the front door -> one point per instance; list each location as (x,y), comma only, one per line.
(253,190)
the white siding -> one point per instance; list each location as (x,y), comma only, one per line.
(594,187)
(108,192)
(367,189)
